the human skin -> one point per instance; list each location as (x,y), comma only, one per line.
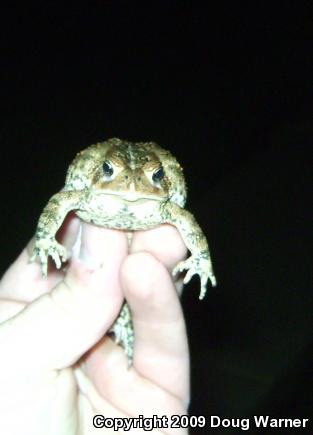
(57,370)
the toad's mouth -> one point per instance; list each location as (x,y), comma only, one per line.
(133,196)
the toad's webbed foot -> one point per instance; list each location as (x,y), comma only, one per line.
(197,265)
(46,247)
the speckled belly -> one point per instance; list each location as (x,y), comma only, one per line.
(111,213)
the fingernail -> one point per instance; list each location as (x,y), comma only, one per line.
(91,248)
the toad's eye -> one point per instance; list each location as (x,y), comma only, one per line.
(107,169)
(158,175)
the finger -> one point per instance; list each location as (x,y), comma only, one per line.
(114,386)
(163,242)
(69,231)
(161,348)
(57,328)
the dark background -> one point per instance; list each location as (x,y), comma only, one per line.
(228,89)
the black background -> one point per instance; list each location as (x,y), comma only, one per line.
(228,89)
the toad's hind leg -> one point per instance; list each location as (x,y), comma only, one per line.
(124,333)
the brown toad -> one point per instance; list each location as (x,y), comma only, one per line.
(127,186)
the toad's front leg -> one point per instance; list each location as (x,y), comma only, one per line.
(49,222)
(200,260)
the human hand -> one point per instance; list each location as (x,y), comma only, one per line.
(57,369)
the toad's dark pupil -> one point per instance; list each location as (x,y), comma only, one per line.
(158,175)
(107,169)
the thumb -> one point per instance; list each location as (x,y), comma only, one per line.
(56,329)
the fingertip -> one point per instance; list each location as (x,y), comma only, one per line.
(149,289)
(100,247)
(142,274)
(163,242)
(69,231)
